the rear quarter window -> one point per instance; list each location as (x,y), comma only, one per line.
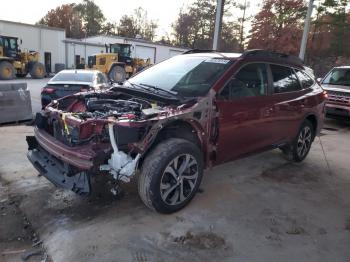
(284,79)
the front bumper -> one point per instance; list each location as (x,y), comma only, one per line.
(82,157)
(57,172)
(338,110)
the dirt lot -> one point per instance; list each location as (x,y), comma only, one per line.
(260,208)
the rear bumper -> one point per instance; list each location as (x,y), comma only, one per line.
(55,171)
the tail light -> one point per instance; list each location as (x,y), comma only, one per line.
(47,90)
(325,94)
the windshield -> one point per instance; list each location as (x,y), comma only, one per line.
(123,50)
(11,43)
(338,76)
(188,76)
(73,77)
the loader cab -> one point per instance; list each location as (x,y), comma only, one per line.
(9,46)
(123,51)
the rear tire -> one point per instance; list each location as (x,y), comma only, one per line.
(301,145)
(117,74)
(7,70)
(170,175)
(37,70)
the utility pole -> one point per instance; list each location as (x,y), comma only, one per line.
(242,26)
(218,22)
(306,30)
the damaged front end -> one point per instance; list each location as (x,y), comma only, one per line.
(95,133)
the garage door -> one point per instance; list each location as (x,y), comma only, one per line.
(145,52)
(174,52)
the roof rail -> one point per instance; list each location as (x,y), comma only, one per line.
(270,54)
(194,51)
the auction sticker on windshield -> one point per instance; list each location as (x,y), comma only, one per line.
(217,61)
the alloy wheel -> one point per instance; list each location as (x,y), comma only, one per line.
(304,141)
(179,179)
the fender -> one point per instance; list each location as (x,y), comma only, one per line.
(154,134)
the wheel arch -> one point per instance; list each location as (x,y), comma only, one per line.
(186,129)
(314,121)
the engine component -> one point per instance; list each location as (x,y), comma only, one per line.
(121,166)
(150,112)
(120,106)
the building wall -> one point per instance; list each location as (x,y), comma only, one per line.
(73,49)
(37,38)
(161,52)
(52,40)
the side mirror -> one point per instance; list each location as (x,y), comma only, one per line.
(319,80)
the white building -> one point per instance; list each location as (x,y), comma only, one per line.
(55,48)
(48,41)
(140,48)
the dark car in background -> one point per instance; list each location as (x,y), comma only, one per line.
(171,121)
(68,82)
(337,85)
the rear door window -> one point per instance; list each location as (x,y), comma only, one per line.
(284,79)
(304,79)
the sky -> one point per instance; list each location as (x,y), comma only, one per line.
(163,11)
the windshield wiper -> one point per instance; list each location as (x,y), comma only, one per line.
(173,94)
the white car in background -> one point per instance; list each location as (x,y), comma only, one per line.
(337,85)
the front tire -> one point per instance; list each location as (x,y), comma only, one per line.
(7,70)
(117,74)
(170,175)
(303,141)
(37,71)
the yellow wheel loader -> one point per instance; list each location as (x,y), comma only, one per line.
(14,63)
(117,63)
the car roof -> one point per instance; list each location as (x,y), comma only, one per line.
(216,54)
(254,54)
(79,71)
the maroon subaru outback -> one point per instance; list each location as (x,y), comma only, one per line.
(170,122)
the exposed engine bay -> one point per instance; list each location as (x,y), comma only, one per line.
(118,121)
(102,108)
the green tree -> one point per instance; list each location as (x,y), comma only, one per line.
(330,32)
(109,28)
(65,17)
(92,17)
(194,28)
(137,24)
(339,25)
(278,26)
